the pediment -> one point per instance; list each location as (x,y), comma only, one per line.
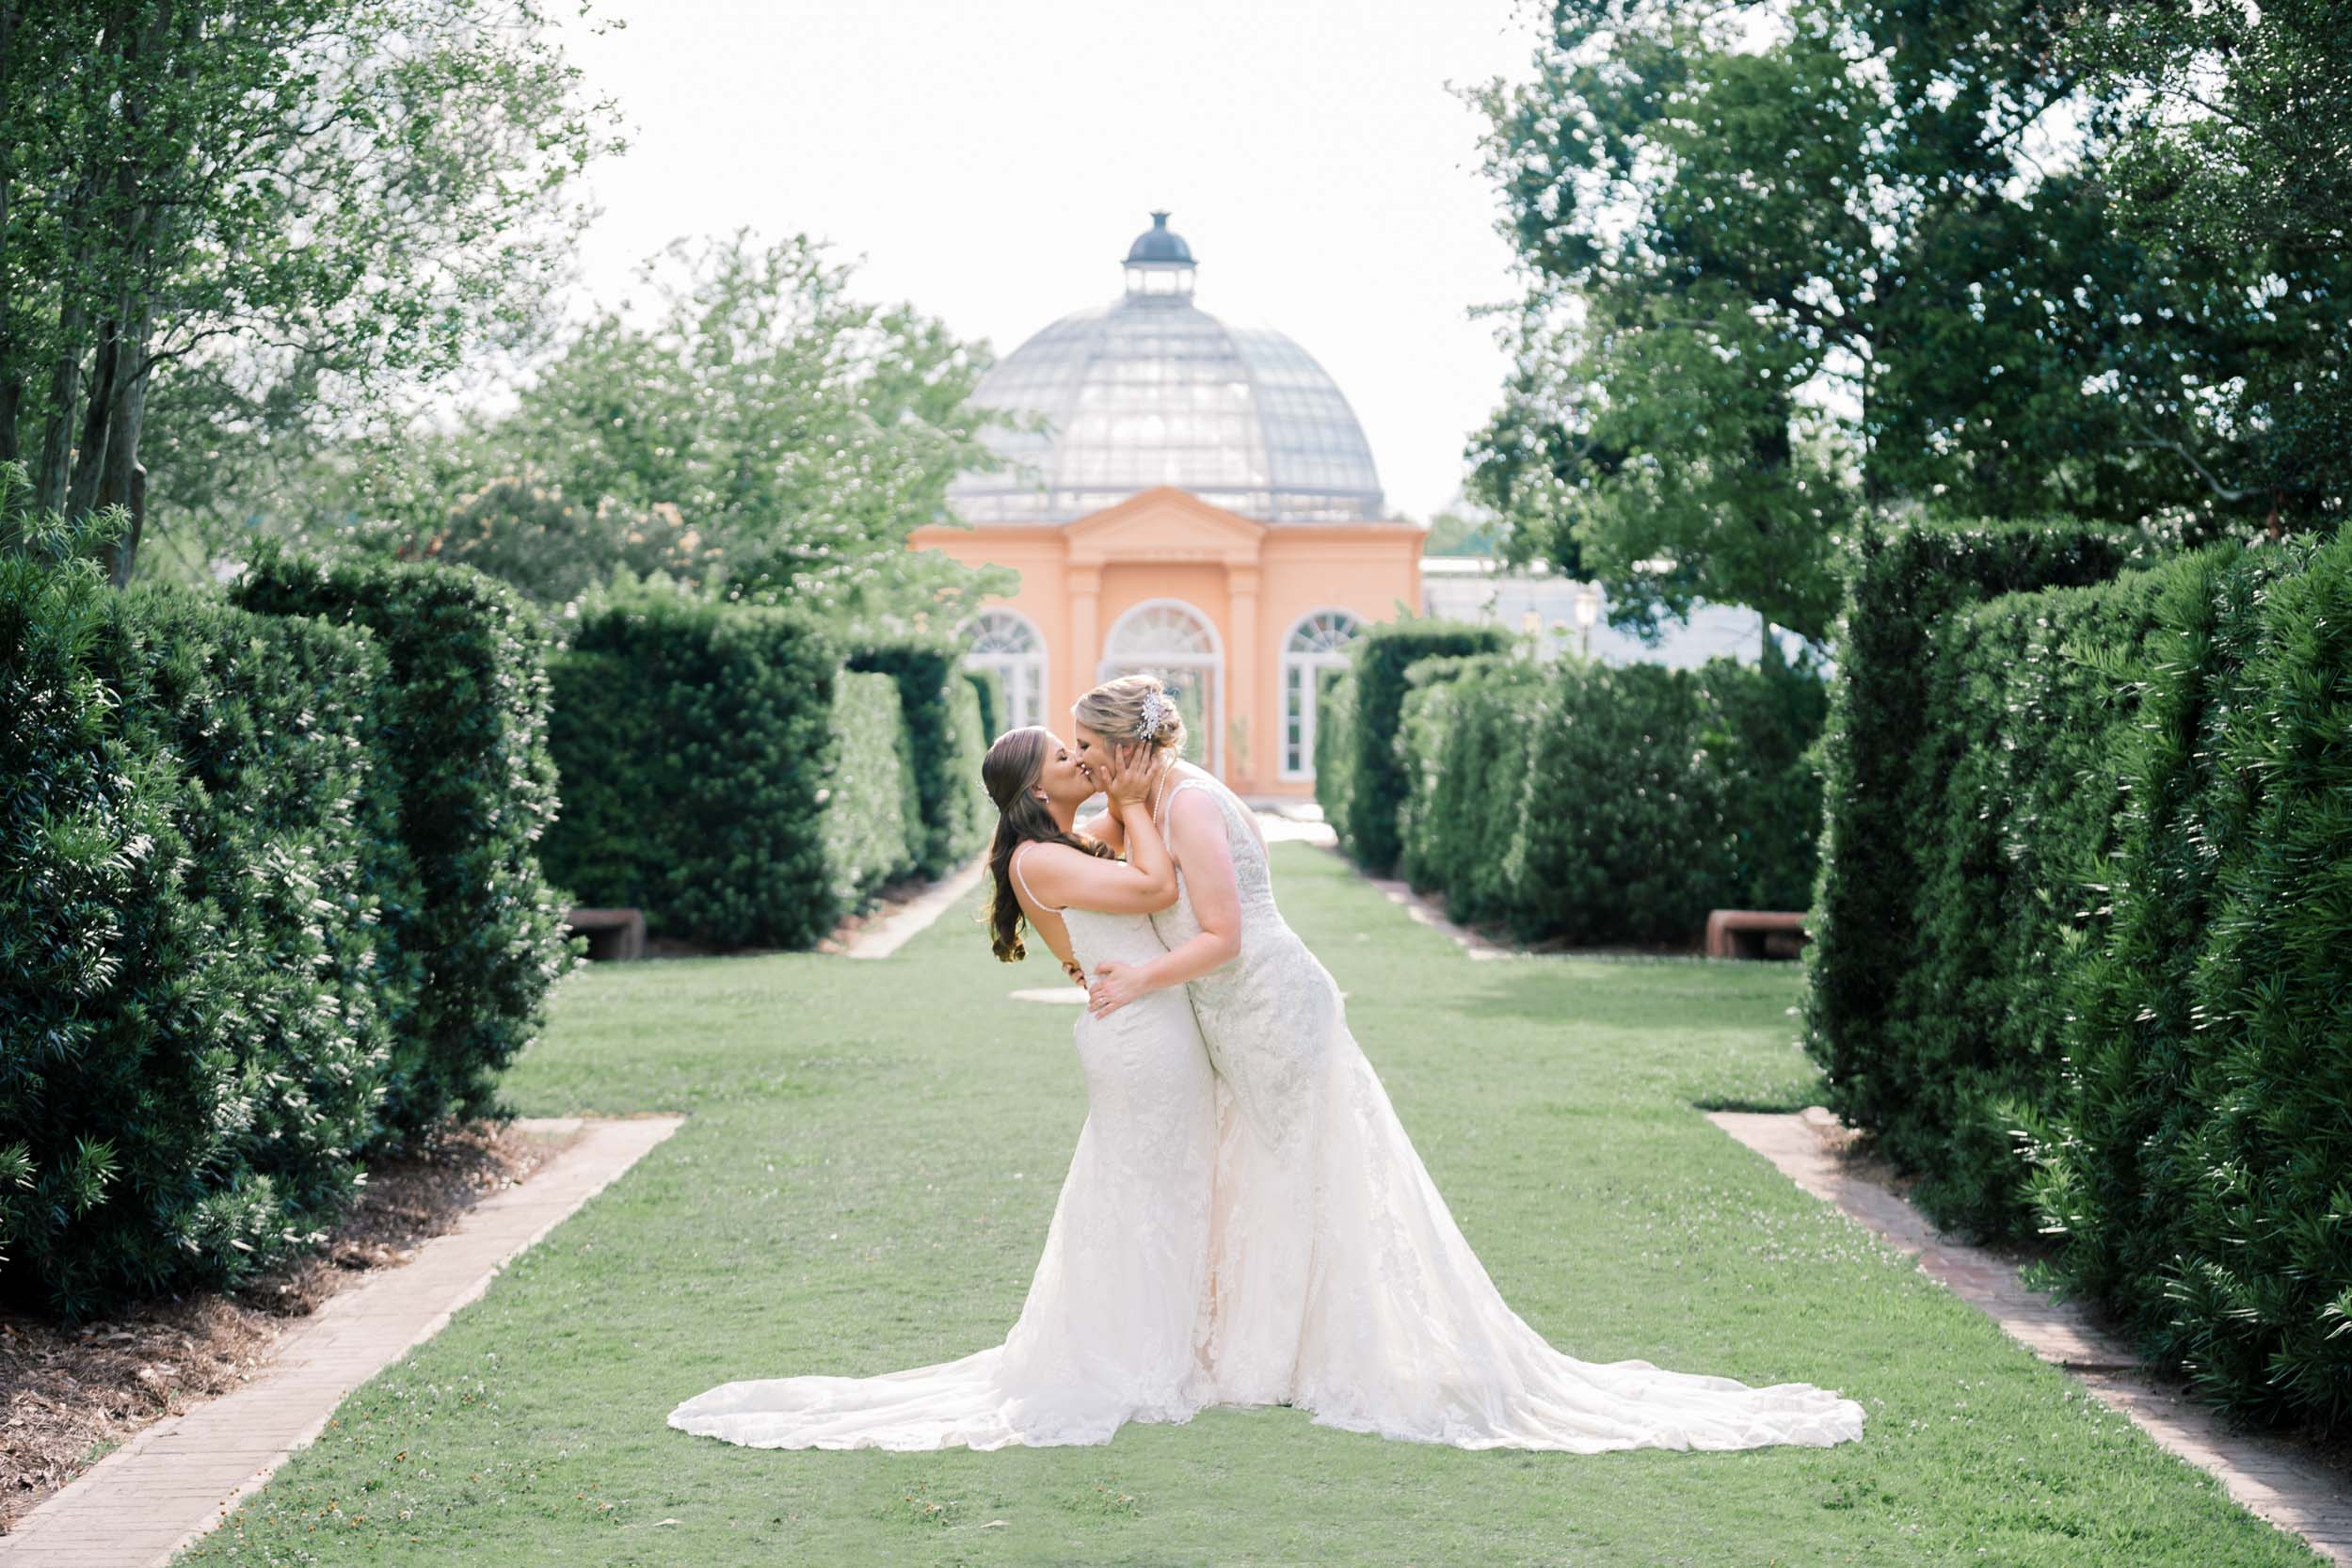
(1164,523)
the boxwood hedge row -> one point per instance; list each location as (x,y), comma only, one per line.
(465,730)
(215,976)
(727,772)
(945,738)
(1358,779)
(2082,961)
(1590,803)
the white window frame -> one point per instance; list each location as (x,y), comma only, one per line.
(1010,668)
(1307,666)
(1113,665)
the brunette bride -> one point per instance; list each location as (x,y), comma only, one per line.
(1106,1334)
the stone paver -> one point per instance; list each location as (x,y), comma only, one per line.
(2271,1479)
(885,936)
(1050,996)
(145,1502)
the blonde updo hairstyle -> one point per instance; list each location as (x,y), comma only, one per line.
(1133,708)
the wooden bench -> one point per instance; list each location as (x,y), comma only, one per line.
(1756,934)
(615,936)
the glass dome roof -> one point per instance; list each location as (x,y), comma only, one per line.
(1151,389)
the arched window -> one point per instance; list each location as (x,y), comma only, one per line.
(1009,645)
(1168,638)
(1315,652)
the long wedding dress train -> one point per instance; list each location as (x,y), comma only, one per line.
(1340,1282)
(1105,1335)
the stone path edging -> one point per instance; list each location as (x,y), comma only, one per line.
(150,1499)
(1428,914)
(884,937)
(2271,1479)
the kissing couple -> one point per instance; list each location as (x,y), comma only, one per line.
(1244,1222)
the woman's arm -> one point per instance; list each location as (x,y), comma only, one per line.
(1198,826)
(1108,829)
(1142,884)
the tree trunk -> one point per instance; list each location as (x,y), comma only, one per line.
(123,481)
(89,457)
(65,389)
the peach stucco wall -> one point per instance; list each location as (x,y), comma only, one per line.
(1252,582)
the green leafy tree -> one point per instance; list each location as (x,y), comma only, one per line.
(1787,265)
(804,434)
(555,549)
(2230,129)
(265,197)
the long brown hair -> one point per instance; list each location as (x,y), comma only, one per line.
(1011,765)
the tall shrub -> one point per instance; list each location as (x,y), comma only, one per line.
(467,733)
(1334,752)
(990,690)
(725,774)
(1469,725)
(1622,833)
(1376,785)
(1886,759)
(697,745)
(873,826)
(194,1008)
(945,736)
(2197,1164)
(1760,726)
(2029,700)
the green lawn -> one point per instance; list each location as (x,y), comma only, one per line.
(864,1185)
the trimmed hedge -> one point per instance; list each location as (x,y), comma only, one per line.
(2197,1164)
(725,774)
(1906,978)
(1468,726)
(945,739)
(1595,804)
(1762,724)
(1622,834)
(990,690)
(1879,770)
(873,829)
(196,1010)
(2083,961)
(1334,732)
(466,731)
(1370,783)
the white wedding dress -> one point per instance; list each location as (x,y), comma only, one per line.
(1338,1280)
(1105,1335)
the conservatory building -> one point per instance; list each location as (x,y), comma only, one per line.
(1183,497)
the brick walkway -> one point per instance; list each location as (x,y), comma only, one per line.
(2274,1480)
(141,1504)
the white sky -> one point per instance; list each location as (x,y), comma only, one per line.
(990,161)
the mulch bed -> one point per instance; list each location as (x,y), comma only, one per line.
(72,1395)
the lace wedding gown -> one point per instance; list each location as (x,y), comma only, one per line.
(1338,1280)
(1105,1335)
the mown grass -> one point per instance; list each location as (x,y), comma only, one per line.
(864,1185)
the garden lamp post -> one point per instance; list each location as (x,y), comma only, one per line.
(1588,611)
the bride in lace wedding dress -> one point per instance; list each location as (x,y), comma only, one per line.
(1105,1335)
(1338,1280)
